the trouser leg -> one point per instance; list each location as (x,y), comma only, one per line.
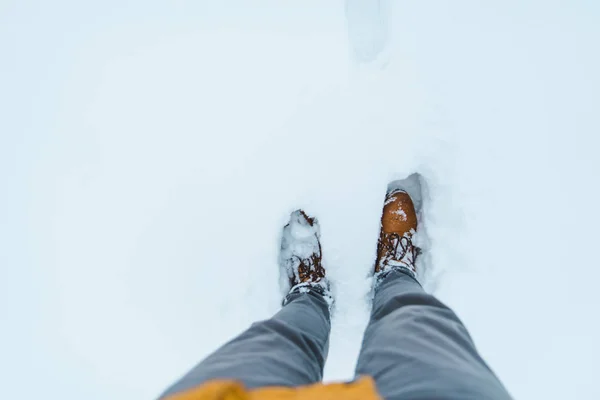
(287,350)
(416,348)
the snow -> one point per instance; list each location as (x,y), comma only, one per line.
(402,214)
(151,153)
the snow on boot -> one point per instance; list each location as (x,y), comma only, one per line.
(395,248)
(300,256)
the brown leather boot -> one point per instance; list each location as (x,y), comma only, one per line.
(395,249)
(300,256)
(309,263)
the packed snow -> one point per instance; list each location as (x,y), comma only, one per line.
(151,152)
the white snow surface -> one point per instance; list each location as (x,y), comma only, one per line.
(151,152)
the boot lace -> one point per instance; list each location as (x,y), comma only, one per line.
(397,250)
(310,269)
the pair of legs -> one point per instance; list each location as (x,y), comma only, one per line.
(414,346)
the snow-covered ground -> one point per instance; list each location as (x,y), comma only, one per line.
(150,154)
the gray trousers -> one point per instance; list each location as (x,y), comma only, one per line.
(414,347)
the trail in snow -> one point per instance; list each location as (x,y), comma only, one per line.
(150,161)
